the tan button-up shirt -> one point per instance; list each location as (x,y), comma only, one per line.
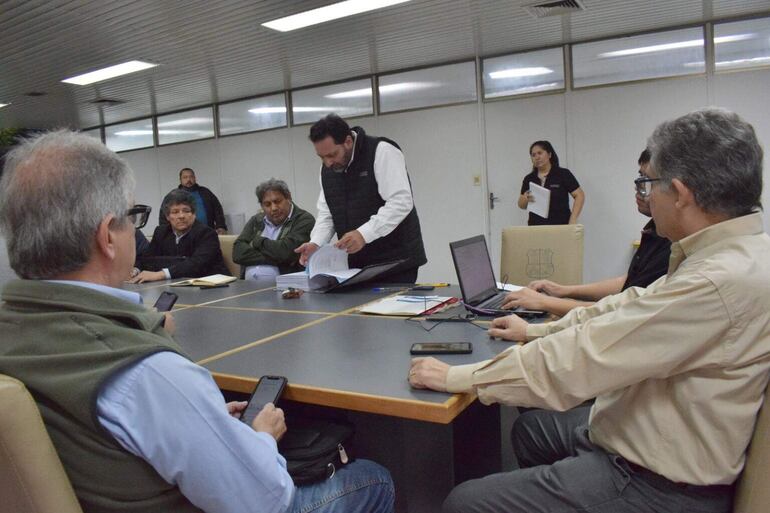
(678,369)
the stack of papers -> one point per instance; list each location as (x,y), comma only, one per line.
(206,281)
(327,268)
(541,200)
(406,305)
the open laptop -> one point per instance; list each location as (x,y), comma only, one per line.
(477,279)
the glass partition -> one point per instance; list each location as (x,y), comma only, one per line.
(186,126)
(129,136)
(524,73)
(662,54)
(441,85)
(347,99)
(252,115)
(742,44)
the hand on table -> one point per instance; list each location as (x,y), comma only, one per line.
(145,276)
(512,328)
(428,373)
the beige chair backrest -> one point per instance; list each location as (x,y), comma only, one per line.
(542,253)
(32,478)
(226,243)
(753,493)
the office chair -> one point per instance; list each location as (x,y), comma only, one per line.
(226,244)
(753,492)
(542,253)
(32,479)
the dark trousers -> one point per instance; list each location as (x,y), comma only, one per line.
(562,471)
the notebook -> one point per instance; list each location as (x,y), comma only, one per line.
(477,279)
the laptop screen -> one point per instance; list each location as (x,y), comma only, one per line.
(474,269)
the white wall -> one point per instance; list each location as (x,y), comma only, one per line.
(598,134)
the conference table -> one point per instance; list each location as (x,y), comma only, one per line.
(341,363)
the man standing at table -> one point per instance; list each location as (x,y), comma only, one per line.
(208,208)
(678,369)
(138,427)
(366,198)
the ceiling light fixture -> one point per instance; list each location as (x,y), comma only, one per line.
(328,13)
(520,72)
(109,72)
(4,105)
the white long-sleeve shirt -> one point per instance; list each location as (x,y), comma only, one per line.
(393,187)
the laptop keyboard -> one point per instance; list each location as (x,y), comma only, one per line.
(494,303)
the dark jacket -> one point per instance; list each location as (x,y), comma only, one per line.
(214,213)
(64,342)
(353,198)
(251,248)
(200,245)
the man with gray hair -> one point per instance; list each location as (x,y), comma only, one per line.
(267,243)
(137,425)
(678,369)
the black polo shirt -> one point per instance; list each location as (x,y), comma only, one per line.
(650,261)
(561,182)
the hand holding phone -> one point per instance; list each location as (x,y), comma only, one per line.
(166,301)
(441,348)
(269,390)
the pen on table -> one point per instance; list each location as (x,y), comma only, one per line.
(382,289)
(441,284)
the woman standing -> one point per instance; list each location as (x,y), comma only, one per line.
(560,181)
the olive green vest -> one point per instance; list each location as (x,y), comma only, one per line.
(63,342)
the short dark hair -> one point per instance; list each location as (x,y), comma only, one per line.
(177,197)
(185,169)
(330,125)
(547,147)
(716,154)
(272,185)
(644,157)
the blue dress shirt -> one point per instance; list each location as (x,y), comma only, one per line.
(169,412)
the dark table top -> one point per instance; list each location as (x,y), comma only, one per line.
(330,354)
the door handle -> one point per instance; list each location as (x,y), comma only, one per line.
(492,199)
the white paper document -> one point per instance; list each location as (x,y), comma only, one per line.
(510,287)
(542,200)
(403,305)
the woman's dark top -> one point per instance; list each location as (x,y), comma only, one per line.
(561,182)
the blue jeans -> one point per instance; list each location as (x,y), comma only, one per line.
(362,486)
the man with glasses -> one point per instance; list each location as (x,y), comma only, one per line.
(678,369)
(649,263)
(183,248)
(137,425)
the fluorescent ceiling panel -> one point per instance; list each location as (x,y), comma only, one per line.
(109,72)
(4,105)
(328,13)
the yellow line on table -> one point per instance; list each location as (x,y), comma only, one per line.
(271,337)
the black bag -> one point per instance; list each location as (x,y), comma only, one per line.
(315,449)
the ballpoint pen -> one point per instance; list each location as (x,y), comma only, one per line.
(383,289)
(440,284)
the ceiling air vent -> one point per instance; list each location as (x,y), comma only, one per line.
(106,101)
(543,9)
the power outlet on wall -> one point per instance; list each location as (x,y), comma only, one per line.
(477,180)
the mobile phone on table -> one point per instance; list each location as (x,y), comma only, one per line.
(269,390)
(166,301)
(441,348)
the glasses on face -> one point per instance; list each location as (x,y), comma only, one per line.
(644,186)
(138,215)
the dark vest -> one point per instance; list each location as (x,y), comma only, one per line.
(353,198)
(63,342)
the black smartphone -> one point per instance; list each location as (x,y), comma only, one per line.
(165,301)
(218,286)
(441,348)
(423,287)
(269,390)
